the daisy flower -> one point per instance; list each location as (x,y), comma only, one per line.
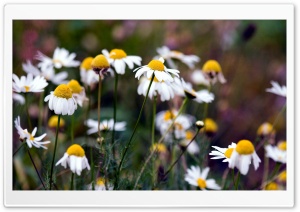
(277,153)
(53,120)
(223,153)
(75,158)
(193,148)
(210,127)
(18,98)
(242,156)
(61,58)
(277,89)
(100,185)
(213,71)
(105,125)
(183,122)
(162,88)
(198,78)
(88,76)
(61,100)
(195,177)
(78,92)
(100,65)
(185,89)
(265,129)
(188,60)
(157,68)
(28,84)
(48,74)
(29,137)
(119,59)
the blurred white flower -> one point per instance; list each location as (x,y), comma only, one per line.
(193,147)
(78,92)
(28,84)
(277,153)
(104,125)
(61,58)
(167,54)
(213,72)
(223,153)
(277,89)
(198,78)
(100,185)
(18,98)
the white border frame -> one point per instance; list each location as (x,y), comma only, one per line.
(147,198)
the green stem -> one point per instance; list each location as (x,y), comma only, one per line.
(160,140)
(237,181)
(131,137)
(115,115)
(266,169)
(182,152)
(36,168)
(92,168)
(72,182)
(54,151)
(276,169)
(153,137)
(224,178)
(27,111)
(41,111)
(20,147)
(233,180)
(72,129)
(99,103)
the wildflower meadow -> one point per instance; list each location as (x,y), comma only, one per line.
(149,105)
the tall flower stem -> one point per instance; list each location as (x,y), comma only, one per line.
(27,111)
(131,137)
(153,136)
(275,170)
(233,179)
(20,147)
(224,178)
(99,104)
(160,140)
(266,169)
(180,155)
(72,182)
(115,115)
(237,181)
(36,168)
(54,151)
(41,111)
(72,129)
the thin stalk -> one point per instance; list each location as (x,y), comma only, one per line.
(160,140)
(72,129)
(54,151)
(92,168)
(233,179)
(224,178)
(182,152)
(27,111)
(72,182)
(131,137)
(275,170)
(115,115)
(36,168)
(266,169)
(20,147)
(153,136)
(237,181)
(99,103)
(41,111)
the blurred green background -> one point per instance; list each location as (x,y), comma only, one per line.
(251,52)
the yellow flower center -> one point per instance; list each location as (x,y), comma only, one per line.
(282,145)
(282,176)
(244,147)
(27,88)
(63,91)
(265,129)
(210,125)
(100,181)
(117,54)
(100,62)
(87,63)
(52,123)
(228,152)
(272,186)
(178,126)
(169,115)
(75,86)
(189,135)
(201,183)
(161,148)
(211,65)
(76,150)
(156,65)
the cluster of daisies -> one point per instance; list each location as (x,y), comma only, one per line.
(155,80)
